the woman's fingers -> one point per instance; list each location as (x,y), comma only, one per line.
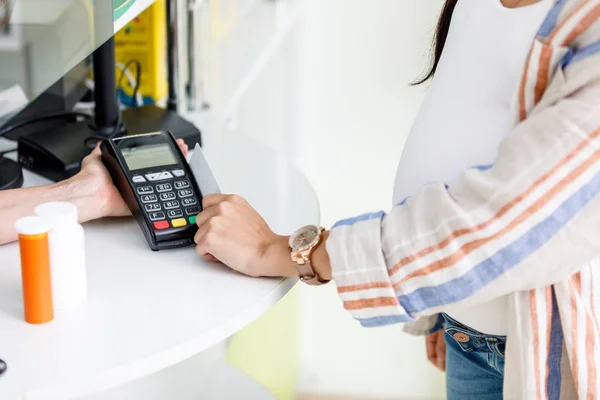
(431,348)
(436,349)
(209,257)
(215,209)
(202,246)
(205,239)
(206,214)
(231,231)
(211,200)
(441,351)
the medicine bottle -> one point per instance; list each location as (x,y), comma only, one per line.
(67,254)
(35,269)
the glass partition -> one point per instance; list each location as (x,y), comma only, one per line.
(42,41)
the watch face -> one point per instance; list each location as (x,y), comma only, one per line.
(304,238)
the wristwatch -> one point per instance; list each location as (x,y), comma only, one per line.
(303,242)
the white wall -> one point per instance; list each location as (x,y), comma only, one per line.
(335,99)
(360,57)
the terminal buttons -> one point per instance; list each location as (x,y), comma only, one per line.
(169,205)
(175,213)
(149,198)
(189,202)
(164,187)
(178,223)
(156,216)
(169,200)
(167,196)
(185,193)
(158,176)
(152,207)
(160,225)
(165,175)
(192,210)
(153,177)
(145,190)
(182,184)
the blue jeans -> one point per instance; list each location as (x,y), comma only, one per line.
(474,363)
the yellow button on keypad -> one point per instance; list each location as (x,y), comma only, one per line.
(178,223)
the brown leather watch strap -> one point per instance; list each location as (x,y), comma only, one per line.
(308,275)
(306,272)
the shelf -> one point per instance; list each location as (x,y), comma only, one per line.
(201,377)
(132,12)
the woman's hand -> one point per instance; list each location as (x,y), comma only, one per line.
(95,183)
(232,232)
(436,349)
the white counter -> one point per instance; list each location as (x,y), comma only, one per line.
(148,310)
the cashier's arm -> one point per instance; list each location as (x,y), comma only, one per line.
(91,190)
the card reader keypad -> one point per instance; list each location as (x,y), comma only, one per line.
(145,190)
(156,216)
(168,198)
(182,185)
(175,213)
(149,198)
(152,207)
(190,201)
(164,187)
(169,205)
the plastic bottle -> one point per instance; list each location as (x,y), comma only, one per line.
(35,269)
(67,254)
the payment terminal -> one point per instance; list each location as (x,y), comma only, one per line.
(156,182)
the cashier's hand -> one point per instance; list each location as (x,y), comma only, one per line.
(232,232)
(95,182)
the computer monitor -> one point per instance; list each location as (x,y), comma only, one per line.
(44,63)
(43,48)
(54,147)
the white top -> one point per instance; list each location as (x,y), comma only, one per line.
(466,114)
(58,213)
(32,226)
(148,310)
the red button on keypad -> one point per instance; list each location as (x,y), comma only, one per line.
(159,225)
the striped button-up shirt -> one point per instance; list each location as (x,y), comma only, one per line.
(528,227)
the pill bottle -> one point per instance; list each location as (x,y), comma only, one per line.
(35,269)
(67,254)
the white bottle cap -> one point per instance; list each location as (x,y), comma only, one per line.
(32,226)
(57,213)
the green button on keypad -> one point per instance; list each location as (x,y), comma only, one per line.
(192,220)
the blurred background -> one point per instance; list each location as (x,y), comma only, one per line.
(325,83)
(330,89)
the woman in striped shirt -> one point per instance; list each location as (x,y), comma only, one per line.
(503,257)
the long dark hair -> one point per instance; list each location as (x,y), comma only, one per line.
(439,40)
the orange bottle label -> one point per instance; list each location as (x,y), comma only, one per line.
(37,282)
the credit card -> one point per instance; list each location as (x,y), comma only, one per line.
(204,177)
